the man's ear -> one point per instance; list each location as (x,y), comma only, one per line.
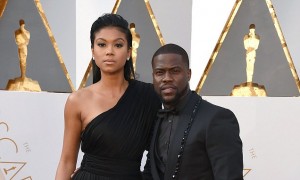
(189,74)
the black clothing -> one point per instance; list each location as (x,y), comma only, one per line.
(113,143)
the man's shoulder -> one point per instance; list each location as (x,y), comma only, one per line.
(212,106)
(210,112)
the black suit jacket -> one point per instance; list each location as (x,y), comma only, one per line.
(213,150)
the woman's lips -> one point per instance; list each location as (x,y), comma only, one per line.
(109,61)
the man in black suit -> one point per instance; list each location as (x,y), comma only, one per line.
(193,139)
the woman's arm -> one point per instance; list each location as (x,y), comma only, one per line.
(71,142)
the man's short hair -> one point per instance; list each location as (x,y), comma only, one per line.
(172,49)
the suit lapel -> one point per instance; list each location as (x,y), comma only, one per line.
(175,146)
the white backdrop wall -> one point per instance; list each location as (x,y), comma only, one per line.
(31,131)
(269,129)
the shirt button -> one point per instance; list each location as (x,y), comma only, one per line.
(167,143)
(170,120)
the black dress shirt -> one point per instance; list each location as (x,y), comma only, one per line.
(169,121)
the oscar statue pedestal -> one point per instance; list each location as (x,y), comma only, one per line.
(248,89)
(23,84)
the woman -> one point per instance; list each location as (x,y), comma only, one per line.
(113,117)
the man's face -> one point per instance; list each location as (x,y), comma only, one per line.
(170,77)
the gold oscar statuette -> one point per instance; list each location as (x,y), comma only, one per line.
(135,44)
(22,83)
(251,42)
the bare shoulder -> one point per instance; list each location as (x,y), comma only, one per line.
(78,98)
(80,95)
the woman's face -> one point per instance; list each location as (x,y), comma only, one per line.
(110,50)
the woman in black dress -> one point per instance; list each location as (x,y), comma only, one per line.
(113,118)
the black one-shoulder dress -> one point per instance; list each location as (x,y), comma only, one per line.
(113,142)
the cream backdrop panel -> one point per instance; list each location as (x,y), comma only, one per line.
(31,131)
(31,134)
(269,129)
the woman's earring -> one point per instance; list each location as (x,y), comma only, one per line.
(127,59)
(93,58)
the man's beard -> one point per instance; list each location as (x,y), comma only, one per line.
(178,96)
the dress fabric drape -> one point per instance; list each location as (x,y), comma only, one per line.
(113,142)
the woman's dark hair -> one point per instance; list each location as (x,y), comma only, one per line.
(112,20)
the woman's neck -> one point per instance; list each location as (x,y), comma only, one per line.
(113,83)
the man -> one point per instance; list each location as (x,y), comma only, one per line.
(193,139)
